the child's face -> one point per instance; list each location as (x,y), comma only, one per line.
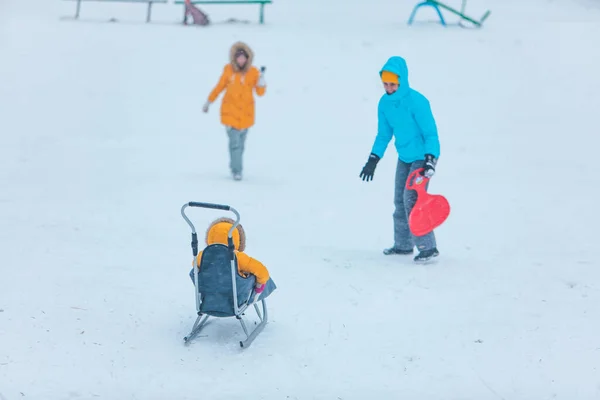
(241,60)
(390,87)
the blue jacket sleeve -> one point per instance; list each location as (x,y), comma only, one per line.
(384,133)
(426,122)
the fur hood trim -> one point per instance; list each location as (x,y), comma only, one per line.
(241,46)
(241,246)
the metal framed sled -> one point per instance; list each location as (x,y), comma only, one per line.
(220,291)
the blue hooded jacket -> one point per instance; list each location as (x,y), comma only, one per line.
(405,114)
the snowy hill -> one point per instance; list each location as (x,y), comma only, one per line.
(103,139)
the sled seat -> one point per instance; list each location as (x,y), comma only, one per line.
(148,2)
(262,3)
(219,289)
(222,292)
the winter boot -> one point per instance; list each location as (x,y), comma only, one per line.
(394,250)
(426,255)
(237,176)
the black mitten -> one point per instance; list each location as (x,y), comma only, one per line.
(430,162)
(369,169)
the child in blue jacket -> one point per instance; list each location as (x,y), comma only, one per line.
(405,114)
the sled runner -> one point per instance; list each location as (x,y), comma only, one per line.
(220,290)
(430,210)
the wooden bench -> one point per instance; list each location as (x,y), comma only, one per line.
(149,2)
(261,15)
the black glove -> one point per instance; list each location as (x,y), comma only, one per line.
(430,162)
(369,169)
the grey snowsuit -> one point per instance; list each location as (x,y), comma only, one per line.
(237,140)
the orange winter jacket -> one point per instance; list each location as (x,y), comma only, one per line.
(217,233)
(237,108)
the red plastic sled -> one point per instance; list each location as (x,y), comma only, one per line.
(430,210)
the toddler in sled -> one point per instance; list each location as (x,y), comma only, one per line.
(247,266)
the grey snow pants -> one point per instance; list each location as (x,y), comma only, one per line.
(237,140)
(404,201)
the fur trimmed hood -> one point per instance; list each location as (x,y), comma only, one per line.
(241,46)
(218,230)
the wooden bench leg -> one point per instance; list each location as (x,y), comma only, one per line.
(77,9)
(261,17)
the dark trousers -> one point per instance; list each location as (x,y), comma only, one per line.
(405,200)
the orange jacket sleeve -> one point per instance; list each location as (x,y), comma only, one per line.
(225,76)
(249,265)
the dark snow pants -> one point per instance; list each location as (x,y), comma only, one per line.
(404,200)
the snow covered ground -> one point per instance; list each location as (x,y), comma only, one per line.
(102,140)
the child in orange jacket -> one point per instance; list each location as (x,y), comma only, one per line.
(239,79)
(217,233)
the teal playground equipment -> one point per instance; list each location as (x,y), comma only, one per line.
(436,5)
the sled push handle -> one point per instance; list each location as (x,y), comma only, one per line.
(209,205)
(213,207)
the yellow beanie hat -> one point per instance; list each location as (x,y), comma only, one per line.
(389,77)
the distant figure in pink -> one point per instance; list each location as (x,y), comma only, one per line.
(198,16)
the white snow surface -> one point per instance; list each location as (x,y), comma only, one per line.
(103,140)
